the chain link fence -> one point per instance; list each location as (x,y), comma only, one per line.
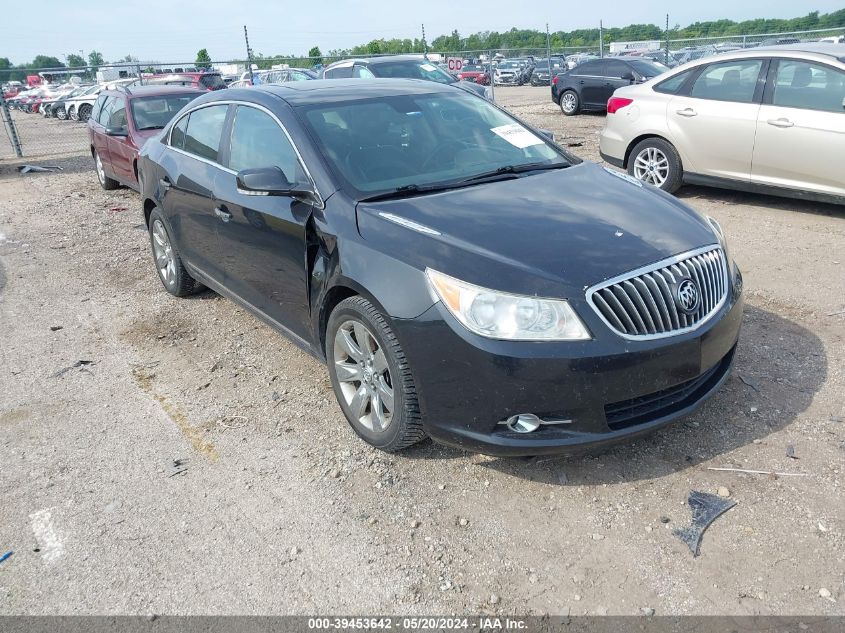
(50,119)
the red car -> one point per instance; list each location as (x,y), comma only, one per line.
(121,122)
(476,73)
(202,80)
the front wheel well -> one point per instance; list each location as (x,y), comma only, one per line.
(639,139)
(333,297)
(149,205)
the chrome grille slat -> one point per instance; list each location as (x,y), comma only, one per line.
(642,305)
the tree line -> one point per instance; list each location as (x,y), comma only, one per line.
(481,41)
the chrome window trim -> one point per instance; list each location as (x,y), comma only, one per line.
(321,204)
(657,266)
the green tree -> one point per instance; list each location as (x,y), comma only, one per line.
(315,55)
(74,60)
(203,59)
(95,58)
(46,61)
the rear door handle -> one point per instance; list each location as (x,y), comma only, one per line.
(222,214)
(780,122)
(687,112)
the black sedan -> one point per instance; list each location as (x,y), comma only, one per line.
(399,67)
(463,277)
(588,86)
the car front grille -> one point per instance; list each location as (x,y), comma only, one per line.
(645,303)
(628,413)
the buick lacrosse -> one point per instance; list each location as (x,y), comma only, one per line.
(463,277)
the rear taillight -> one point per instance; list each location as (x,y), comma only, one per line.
(554,81)
(617,103)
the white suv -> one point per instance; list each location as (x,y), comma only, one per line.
(769,120)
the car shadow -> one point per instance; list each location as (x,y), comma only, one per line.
(779,367)
(730,196)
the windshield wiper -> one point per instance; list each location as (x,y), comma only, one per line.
(405,190)
(508,171)
(515,169)
(151,127)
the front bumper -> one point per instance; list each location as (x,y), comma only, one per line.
(608,389)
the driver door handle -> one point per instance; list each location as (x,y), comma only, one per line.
(164,183)
(687,112)
(222,213)
(782,122)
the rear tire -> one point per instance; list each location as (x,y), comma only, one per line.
(570,104)
(656,162)
(61,113)
(71,114)
(371,377)
(171,271)
(105,182)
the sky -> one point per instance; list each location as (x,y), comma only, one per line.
(174,30)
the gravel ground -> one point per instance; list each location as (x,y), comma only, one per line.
(276,506)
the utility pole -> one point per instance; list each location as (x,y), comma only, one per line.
(549,52)
(601,39)
(248,55)
(425,44)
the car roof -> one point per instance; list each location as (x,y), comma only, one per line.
(328,90)
(383,59)
(836,51)
(155,91)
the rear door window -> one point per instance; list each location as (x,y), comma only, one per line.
(105,112)
(593,69)
(205,128)
(728,81)
(341,72)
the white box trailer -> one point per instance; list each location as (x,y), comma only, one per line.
(107,74)
(622,47)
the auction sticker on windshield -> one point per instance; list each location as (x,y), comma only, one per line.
(517,135)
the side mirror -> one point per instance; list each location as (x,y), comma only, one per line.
(117,131)
(629,76)
(269,181)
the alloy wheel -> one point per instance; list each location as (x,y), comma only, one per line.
(101,172)
(652,166)
(163,252)
(363,374)
(569,102)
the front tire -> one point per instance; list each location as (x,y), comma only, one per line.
(371,377)
(71,113)
(656,162)
(61,113)
(84,113)
(570,104)
(171,271)
(105,182)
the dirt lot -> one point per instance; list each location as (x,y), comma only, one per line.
(281,508)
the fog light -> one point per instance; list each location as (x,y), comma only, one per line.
(524,423)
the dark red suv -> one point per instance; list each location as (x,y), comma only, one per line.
(121,122)
(203,80)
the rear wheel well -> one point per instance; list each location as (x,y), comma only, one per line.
(333,297)
(634,142)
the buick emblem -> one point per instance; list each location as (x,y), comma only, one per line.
(687,296)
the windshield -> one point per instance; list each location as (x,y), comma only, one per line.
(412,70)
(508,65)
(469,68)
(378,145)
(153,113)
(648,68)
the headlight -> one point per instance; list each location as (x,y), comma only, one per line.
(505,316)
(723,240)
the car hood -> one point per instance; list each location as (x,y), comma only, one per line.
(548,233)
